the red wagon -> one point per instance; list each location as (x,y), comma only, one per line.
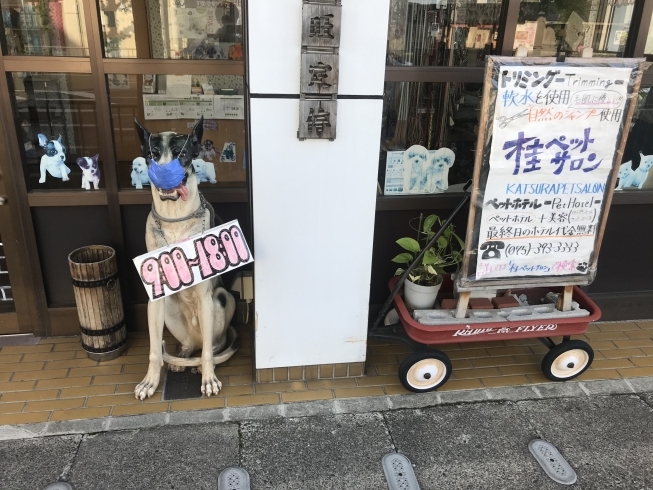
(426,369)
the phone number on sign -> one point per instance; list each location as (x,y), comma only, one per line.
(542,248)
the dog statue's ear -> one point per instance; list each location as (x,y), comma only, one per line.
(96,157)
(43,140)
(143,135)
(196,140)
(59,139)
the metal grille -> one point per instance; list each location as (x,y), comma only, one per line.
(5,287)
(552,462)
(182,386)
(399,472)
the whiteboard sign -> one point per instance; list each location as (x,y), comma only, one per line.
(171,269)
(554,135)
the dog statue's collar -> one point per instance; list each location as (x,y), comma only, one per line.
(197,213)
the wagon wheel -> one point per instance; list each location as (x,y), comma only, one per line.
(425,371)
(567,360)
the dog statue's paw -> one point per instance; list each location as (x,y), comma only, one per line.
(210,383)
(176,369)
(148,386)
(42,180)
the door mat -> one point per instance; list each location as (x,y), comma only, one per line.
(182,386)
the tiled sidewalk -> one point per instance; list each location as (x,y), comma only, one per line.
(55,380)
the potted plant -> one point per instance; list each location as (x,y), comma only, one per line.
(424,280)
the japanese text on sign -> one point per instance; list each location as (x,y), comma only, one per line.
(555,134)
(171,269)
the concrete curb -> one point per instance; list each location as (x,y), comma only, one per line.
(571,389)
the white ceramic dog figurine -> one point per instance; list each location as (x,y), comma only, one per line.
(208,151)
(641,174)
(54,160)
(205,171)
(198,317)
(416,160)
(139,173)
(436,174)
(90,171)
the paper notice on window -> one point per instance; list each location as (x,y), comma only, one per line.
(178,85)
(555,134)
(196,106)
(160,107)
(229,107)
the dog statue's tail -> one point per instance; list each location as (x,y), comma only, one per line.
(224,356)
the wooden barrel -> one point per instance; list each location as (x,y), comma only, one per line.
(94,272)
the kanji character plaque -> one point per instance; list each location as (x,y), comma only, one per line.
(551,138)
(319,69)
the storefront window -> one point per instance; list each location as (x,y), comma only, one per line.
(57,129)
(44,27)
(175,103)
(442,33)
(433,115)
(6,295)
(639,146)
(176,29)
(547,28)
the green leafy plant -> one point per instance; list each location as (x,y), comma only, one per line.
(447,251)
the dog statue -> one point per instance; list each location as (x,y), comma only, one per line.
(54,160)
(641,174)
(90,171)
(205,171)
(198,317)
(139,173)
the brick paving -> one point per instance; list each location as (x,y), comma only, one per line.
(55,380)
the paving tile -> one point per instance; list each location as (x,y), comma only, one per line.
(326,371)
(617,327)
(620,353)
(25,349)
(62,383)
(49,405)
(391,379)
(505,381)
(89,391)
(40,375)
(520,369)
(357,392)
(265,375)
(134,369)
(636,372)
(305,396)
(118,379)
(396,390)
(390,368)
(382,359)
(466,353)
(24,418)
(142,359)
(476,373)
(603,344)
(222,370)
(645,325)
(198,404)
(250,400)
(508,351)
(48,356)
(294,373)
(642,361)
(538,378)
(461,384)
(281,374)
(331,383)
(129,388)
(492,361)
(124,399)
(340,370)
(59,340)
(139,409)
(68,346)
(15,407)
(245,379)
(17,386)
(4,377)
(280,387)
(591,336)
(70,363)
(624,344)
(310,372)
(23,396)
(236,390)
(81,413)
(94,371)
(13,358)
(640,334)
(611,363)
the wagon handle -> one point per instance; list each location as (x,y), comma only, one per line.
(388,302)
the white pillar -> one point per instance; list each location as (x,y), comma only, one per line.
(313,200)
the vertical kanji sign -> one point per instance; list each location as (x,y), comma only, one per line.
(551,143)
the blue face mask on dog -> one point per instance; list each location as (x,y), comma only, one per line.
(169,176)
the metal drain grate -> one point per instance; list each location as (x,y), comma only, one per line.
(182,386)
(233,479)
(552,462)
(399,472)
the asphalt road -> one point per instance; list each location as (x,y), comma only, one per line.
(607,439)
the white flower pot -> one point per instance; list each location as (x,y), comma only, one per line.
(419,297)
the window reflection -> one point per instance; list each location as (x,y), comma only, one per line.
(433,115)
(57,125)
(442,32)
(549,27)
(176,29)
(44,28)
